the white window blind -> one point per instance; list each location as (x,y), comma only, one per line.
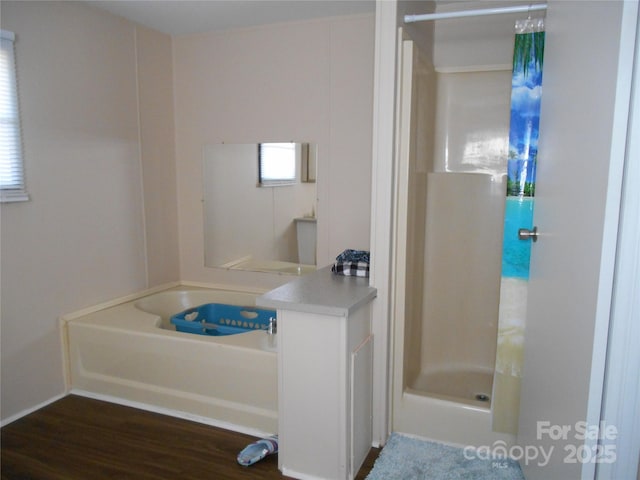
(277,163)
(12,188)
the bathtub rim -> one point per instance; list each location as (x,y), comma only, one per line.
(158,289)
(449,400)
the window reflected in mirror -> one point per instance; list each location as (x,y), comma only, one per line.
(249,227)
(277,163)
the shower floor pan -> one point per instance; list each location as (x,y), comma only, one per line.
(467,385)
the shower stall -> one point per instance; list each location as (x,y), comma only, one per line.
(453,142)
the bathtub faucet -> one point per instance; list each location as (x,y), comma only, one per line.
(273,326)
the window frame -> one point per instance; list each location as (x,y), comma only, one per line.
(12,174)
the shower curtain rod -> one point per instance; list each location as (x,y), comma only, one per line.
(474,13)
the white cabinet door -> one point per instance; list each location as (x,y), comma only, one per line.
(361,398)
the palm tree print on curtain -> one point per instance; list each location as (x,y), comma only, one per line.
(526,89)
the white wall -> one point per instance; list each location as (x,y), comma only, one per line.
(80,240)
(456,40)
(301,81)
(472,123)
(157,148)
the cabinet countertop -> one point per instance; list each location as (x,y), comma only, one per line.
(321,292)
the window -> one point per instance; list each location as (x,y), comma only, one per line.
(276,164)
(11,169)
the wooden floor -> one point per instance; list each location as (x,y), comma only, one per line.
(77,438)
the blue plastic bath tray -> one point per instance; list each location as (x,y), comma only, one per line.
(218,319)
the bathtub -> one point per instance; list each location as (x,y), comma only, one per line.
(127,351)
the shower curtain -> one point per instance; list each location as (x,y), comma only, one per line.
(526,89)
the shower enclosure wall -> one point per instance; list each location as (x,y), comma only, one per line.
(453,144)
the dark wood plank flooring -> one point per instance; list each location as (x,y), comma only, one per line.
(78,438)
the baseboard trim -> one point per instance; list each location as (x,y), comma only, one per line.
(26,412)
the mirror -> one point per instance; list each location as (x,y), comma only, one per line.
(254,224)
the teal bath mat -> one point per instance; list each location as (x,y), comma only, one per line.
(406,458)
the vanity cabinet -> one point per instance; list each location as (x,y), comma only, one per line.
(325,357)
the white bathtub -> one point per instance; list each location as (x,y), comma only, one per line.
(127,351)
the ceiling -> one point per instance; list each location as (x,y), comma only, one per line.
(183,17)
